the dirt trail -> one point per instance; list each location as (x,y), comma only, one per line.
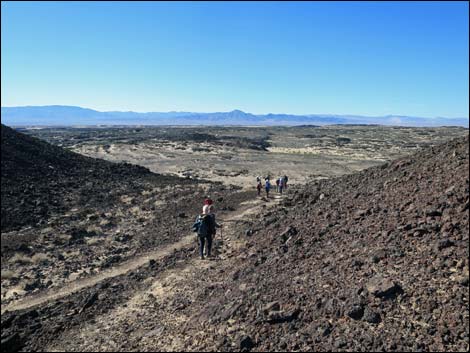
(164,325)
(132,264)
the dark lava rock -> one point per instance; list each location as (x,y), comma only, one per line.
(433,213)
(24,249)
(32,285)
(12,343)
(111,260)
(324,329)
(78,234)
(246,343)
(290,231)
(355,312)
(7,319)
(371,316)
(269,220)
(277,317)
(124,238)
(383,287)
(89,301)
(444,243)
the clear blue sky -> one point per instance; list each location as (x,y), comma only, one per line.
(368,58)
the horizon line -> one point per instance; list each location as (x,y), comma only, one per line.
(233,110)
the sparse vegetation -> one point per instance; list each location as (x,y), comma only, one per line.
(40,259)
(91,235)
(94,241)
(8,274)
(21,259)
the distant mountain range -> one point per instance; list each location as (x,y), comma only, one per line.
(59,115)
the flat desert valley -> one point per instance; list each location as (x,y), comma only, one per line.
(236,155)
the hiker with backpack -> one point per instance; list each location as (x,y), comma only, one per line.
(267,187)
(205,227)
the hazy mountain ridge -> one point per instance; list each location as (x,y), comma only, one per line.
(71,115)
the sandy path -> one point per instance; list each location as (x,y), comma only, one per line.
(166,330)
(129,265)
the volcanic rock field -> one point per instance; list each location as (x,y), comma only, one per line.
(366,251)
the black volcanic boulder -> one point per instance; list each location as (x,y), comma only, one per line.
(383,287)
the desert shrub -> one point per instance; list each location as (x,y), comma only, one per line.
(40,258)
(8,274)
(20,259)
(94,241)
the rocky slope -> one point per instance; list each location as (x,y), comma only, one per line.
(39,179)
(377,260)
(67,217)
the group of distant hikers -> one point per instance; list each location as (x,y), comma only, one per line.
(281,184)
(205,226)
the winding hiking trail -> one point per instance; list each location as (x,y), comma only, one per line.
(157,317)
(249,207)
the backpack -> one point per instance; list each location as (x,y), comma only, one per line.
(203,225)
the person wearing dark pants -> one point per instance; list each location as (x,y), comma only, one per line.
(202,241)
(205,228)
(259,187)
(267,187)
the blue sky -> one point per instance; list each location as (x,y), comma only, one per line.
(367,58)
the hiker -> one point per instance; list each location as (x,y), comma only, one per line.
(267,187)
(205,228)
(277,185)
(258,179)
(280,181)
(285,181)
(259,187)
(210,239)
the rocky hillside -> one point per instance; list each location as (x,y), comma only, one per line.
(39,179)
(377,260)
(372,261)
